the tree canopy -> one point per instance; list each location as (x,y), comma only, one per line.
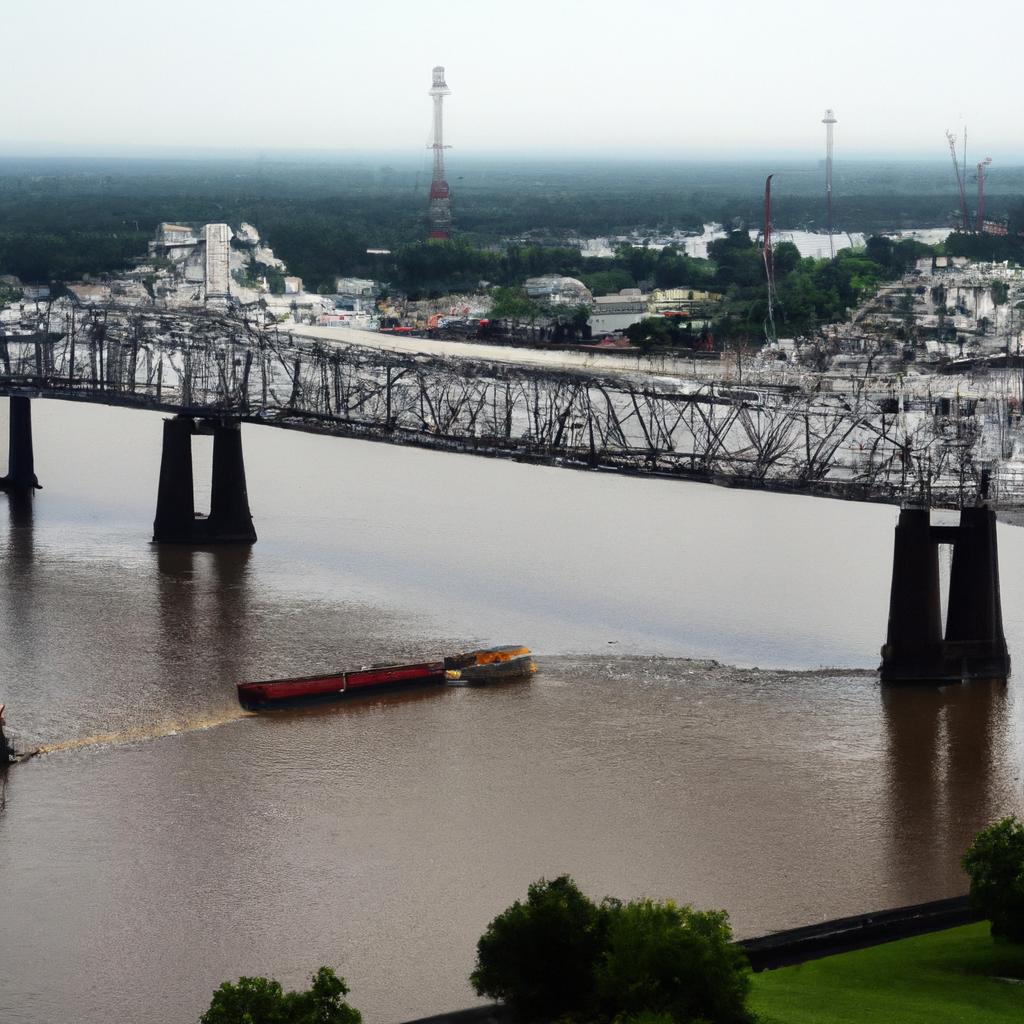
(559,955)
(60,220)
(263,1001)
(995,864)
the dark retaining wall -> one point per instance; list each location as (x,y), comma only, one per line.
(797,945)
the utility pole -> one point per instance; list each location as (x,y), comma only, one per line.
(767,256)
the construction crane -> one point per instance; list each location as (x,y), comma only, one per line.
(959,177)
(979,217)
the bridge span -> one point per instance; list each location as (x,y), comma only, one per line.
(213,370)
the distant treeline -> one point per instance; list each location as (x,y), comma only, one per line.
(808,292)
(60,220)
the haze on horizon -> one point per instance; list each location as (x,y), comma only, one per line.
(704,80)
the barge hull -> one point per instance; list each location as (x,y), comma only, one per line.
(337,686)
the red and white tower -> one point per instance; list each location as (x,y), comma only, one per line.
(440,200)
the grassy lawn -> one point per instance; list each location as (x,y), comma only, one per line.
(931,979)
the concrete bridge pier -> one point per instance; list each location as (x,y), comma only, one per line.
(913,644)
(229,521)
(974,621)
(973,646)
(21,466)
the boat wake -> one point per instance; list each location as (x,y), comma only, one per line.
(139,734)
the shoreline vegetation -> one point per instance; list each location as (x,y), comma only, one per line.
(561,956)
(63,220)
(949,974)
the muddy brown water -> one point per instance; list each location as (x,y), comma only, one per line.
(688,734)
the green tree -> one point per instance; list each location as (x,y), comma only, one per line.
(738,261)
(654,332)
(995,863)
(785,258)
(638,260)
(880,250)
(559,955)
(444,265)
(263,1001)
(986,247)
(580,317)
(907,251)
(664,958)
(538,956)
(609,282)
(512,304)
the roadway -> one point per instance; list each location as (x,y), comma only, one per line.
(700,371)
(599,363)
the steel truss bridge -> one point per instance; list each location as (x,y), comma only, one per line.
(225,366)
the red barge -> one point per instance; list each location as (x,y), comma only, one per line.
(473,667)
(278,692)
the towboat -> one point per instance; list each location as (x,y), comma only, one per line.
(473,667)
(521,666)
(485,656)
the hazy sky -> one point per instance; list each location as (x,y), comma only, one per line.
(697,78)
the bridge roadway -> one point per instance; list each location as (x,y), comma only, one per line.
(651,415)
(754,373)
(593,362)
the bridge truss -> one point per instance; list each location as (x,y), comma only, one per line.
(217,364)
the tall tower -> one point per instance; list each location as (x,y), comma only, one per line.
(769,270)
(440,211)
(979,217)
(828,120)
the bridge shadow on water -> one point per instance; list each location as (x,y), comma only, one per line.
(946,769)
(204,603)
(18,570)
(21,517)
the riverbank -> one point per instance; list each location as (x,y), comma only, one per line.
(932,963)
(956,976)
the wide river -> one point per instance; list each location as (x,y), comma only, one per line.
(706,724)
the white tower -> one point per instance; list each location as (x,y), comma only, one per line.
(828,121)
